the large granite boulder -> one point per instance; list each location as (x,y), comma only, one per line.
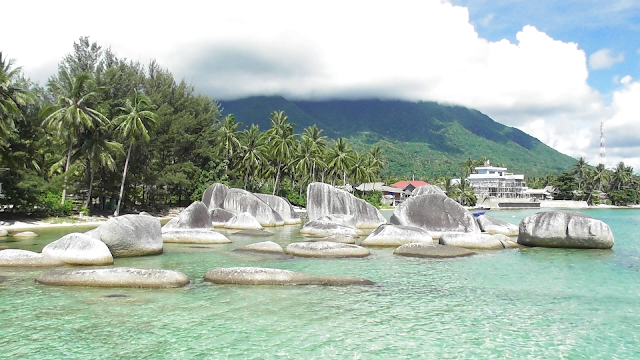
(195,216)
(565,230)
(263,247)
(18,258)
(219,217)
(431,251)
(79,249)
(435,213)
(325,249)
(324,199)
(282,206)
(427,189)
(239,201)
(130,235)
(396,235)
(340,219)
(243,221)
(494,226)
(471,241)
(321,228)
(267,276)
(115,277)
(214,196)
(194,236)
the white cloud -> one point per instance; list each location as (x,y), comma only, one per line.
(603,59)
(622,128)
(413,50)
(626,80)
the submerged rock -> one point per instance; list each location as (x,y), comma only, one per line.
(239,201)
(396,235)
(130,235)
(243,221)
(214,196)
(324,199)
(195,216)
(19,258)
(321,228)
(282,206)
(494,226)
(219,217)
(25,234)
(194,236)
(431,251)
(565,230)
(434,213)
(471,241)
(79,249)
(263,247)
(115,277)
(325,249)
(253,233)
(267,276)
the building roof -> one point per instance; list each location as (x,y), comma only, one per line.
(538,192)
(403,184)
(370,186)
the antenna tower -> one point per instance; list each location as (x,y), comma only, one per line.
(603,156)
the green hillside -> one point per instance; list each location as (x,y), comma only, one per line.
(424,139)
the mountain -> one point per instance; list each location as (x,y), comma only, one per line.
(425,139)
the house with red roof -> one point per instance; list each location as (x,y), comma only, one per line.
(409,185)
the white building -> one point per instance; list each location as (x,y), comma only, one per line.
(492,181)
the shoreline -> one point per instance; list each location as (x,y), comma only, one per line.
(39,224)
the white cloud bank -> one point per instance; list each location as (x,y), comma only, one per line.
(413,50)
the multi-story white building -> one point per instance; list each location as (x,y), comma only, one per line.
(492,181)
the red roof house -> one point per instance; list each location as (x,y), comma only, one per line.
(409,185)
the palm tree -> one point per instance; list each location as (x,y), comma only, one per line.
(281,142)
(318,146)
(361,170)
(621,176)
(228,136)
(580,169)
(134,124)
(73,112)
(14,94)
(465,193)
(253,149)
(599,176)
(468,166)
(340,158)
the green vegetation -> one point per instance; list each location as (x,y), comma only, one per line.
(112,134)
(424,139)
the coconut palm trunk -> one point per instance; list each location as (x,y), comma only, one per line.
(124,177)
(66,168)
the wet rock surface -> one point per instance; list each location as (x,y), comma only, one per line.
(431,251)
(268,276)
(325,249)
(115,277)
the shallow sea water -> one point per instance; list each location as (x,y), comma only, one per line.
(523,303)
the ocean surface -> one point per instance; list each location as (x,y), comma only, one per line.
(522,303)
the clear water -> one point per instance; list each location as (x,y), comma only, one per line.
(528,303)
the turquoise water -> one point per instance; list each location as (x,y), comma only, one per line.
(528,303)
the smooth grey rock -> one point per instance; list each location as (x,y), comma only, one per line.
(19,258)
(431,251)
(324,199)
(115,277)
(3,233)
(494,226)
(507,242)
(195,216)
(266,276)
(219,217)
(321,228)
(434,213)
(343,239)
(427,189)
(79,249)
(130,235)
(253,233)
(471,241)
(239,201)
(244,221)
(282,206)
(565,230)
(340,219)
(144,213)
(396,235)
(325,249)
(263,247)
(194,236)
(25,234)
(214,196)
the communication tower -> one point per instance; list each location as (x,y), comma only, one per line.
(603,156)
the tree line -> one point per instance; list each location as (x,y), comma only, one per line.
(111,133)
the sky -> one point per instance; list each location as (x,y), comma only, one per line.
(554,69)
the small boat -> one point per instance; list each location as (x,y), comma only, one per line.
(476,214)
(479,210)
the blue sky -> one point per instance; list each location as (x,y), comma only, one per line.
(554,69)
(592,24)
